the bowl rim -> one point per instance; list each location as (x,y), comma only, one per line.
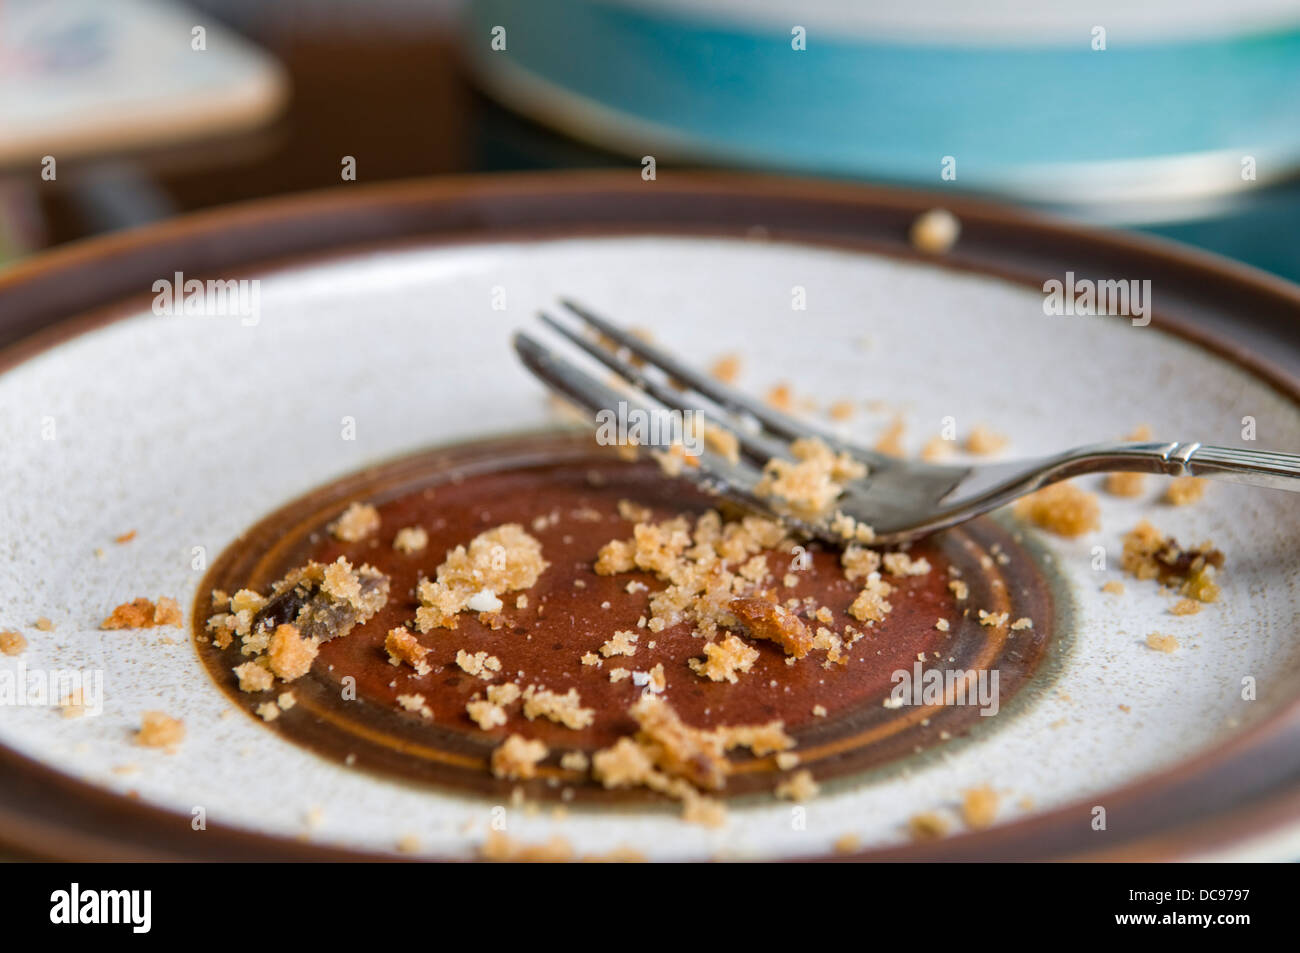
(1237,790)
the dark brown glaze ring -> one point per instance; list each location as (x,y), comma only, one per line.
(346,707)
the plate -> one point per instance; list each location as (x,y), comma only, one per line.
(381,328)
(931,94)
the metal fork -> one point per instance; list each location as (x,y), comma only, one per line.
(899,499)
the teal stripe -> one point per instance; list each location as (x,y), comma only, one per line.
(893,110)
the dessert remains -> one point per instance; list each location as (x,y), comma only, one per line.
(727,576)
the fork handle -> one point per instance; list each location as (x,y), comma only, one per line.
(1269,468)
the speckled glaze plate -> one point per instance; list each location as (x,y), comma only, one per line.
(383,330)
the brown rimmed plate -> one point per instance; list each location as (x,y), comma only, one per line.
(190,431)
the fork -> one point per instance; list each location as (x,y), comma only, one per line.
(899,499)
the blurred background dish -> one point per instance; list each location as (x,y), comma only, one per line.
(1150,132)
(1116,107)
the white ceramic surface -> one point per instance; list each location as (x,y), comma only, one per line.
(189,429)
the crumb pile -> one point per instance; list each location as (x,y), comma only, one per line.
(143,614)
(808,486)
(281,633)
(1062,508)
(504,559)
(1150,554)
(722,575)
(672,758)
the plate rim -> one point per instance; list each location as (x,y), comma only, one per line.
(59,295)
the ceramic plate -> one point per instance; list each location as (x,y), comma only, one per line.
(189,429)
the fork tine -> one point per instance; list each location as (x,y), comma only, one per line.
(716,473)
(586,390)
(758,447)
(778,423)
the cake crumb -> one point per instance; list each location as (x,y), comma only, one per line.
(722,442)
(268,711)
(563,709)
(505,694)
(1128,484)
(779,397)
(981,440)
(726,368)
(517,757)
(847,843)
(12,642)
(143,614)
(44,624)
(486,714)
(289,654)
(479,664)
(840,410)
(774,623)
(799,787)
(500,560)
(502,848)
(936,448)
(1114,587)
(671,757)
(934,231)
(942,625)
(722,660)
(979,807)
(808,485)
(1024,622)
(323,601)
(417,703)
(73,704)
(254,677)
(575,761)
(402,646)
(655,681)
(411,539)
(1185,490)
(1185,607)
(621,643)
(1062,508)
(158,730)
(927,826)
(902,564)
(357,522)
(1124,484)
(871,604)
(1149,554)
(890,442)
(1161,643)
